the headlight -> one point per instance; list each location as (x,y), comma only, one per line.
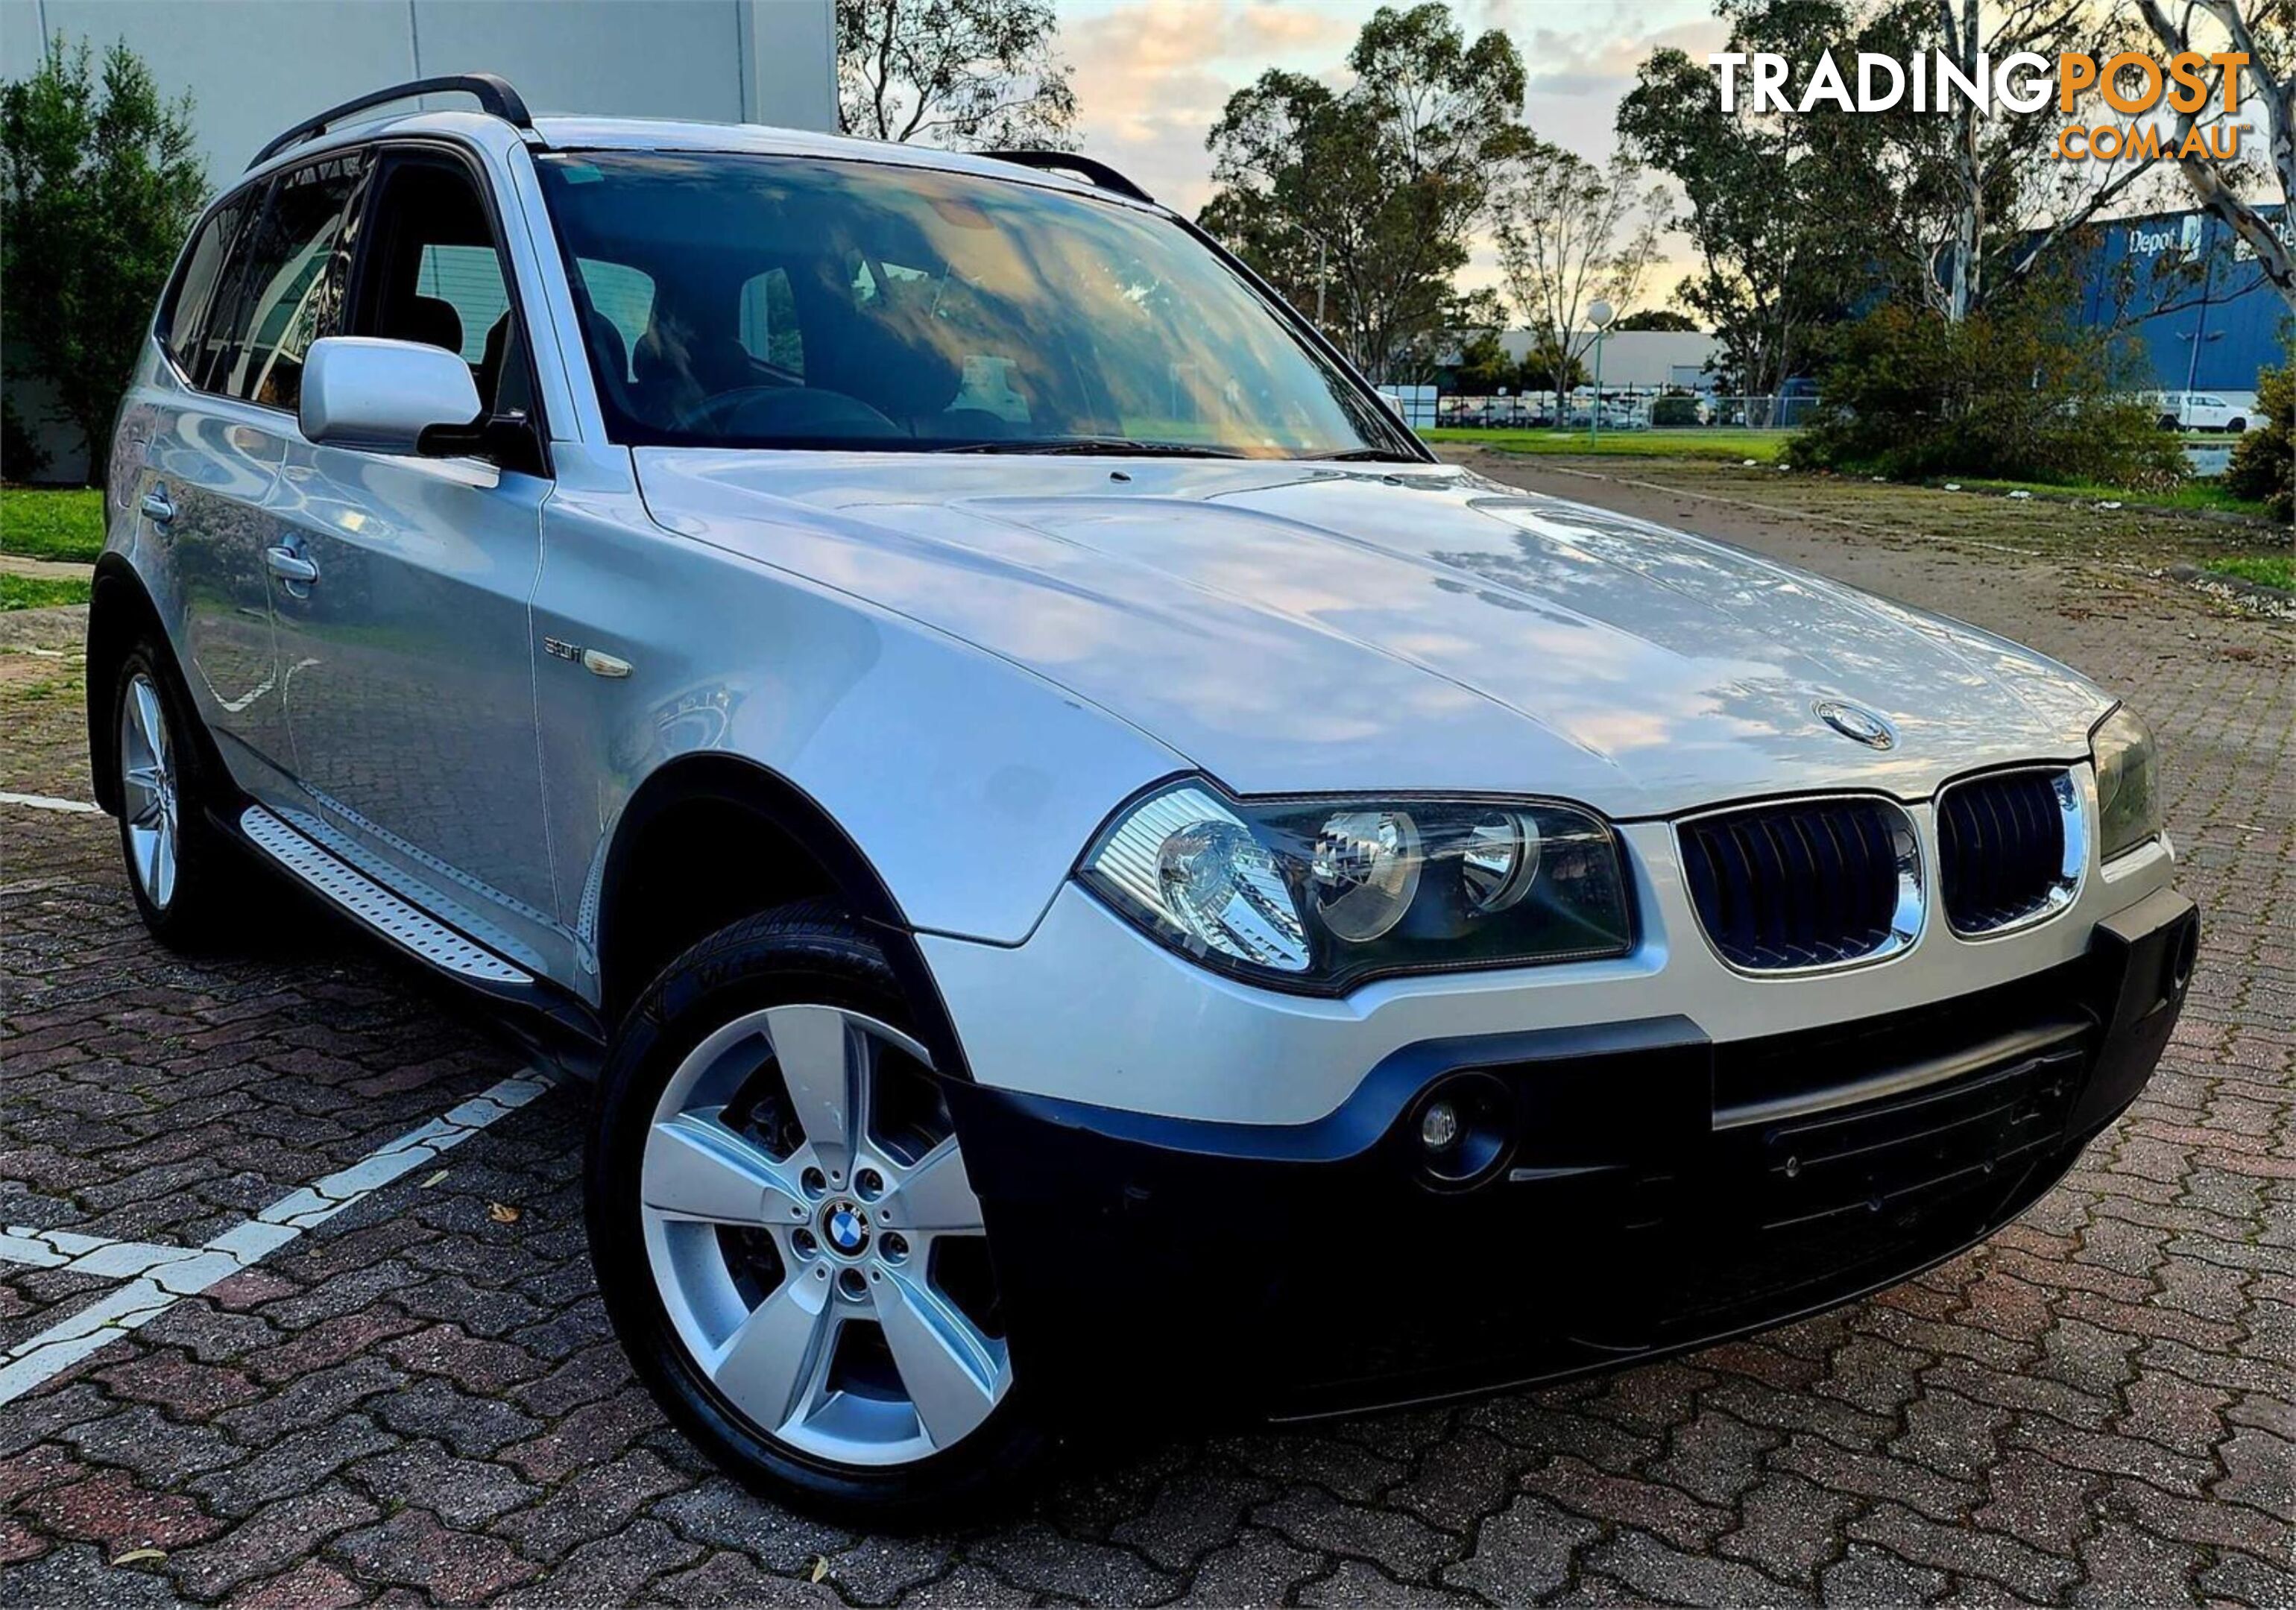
(2128,783)
(1319,894)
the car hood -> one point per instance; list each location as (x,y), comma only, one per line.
(1293,627)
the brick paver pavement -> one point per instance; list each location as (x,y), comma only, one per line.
(419,1399)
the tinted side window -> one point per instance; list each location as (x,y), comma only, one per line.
(284,289)
(194,290)
(430,271)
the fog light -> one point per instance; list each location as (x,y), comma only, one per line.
(1439,1125)
(1465,1125)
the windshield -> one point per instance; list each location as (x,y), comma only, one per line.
(756,301)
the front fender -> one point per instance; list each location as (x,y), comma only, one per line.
(969,784)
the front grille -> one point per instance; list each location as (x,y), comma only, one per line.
(2002,844)
(1813,883)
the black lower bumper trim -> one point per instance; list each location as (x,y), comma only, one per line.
(1289,1272)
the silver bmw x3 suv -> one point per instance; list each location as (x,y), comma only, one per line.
(1096,878)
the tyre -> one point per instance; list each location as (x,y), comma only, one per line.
(2168,422)
(784,1234)
(178,867)
(2236,426)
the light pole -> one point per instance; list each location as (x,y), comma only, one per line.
(1600,316)
(2193,368)
(2199,333)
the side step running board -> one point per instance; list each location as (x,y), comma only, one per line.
(376,906)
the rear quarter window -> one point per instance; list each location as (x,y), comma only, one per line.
(184,310)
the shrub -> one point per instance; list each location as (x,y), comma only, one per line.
(1673,412)
(2264,464)
(99,185)
(2016,392)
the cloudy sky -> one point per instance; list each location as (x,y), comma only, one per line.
(1153,74)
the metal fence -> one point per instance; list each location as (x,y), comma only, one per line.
(1627,410)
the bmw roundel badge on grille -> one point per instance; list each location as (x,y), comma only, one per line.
(1857,722)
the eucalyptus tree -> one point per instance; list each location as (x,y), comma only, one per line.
(1357,203)
(2265,32)
(966,73)
(1572,233)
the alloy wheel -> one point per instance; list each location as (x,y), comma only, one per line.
(149,803)
(815,1241)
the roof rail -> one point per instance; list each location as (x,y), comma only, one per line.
(493,92)
(1097,172)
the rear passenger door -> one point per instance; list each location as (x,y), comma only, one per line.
(408,660)
(258,286)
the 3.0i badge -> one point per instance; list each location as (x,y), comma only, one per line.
(1857,722)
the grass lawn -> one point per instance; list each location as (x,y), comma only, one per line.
(2272,571)
(43,522)
(40,591)
(1719,442)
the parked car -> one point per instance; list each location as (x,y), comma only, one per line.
(2197,411)
(1616,415)
(1099,881)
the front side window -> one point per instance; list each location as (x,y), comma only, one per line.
(431,271)
(284,293)
(756,301)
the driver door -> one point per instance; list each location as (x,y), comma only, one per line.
(407,656)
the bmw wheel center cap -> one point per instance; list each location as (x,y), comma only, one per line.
(844,1228)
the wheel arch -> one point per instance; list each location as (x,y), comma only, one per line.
(119,614)
(756,840)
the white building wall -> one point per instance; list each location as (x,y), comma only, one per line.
(256,67)
(1646,358)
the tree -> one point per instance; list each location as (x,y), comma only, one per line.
(1485,369)
(1952,209)
(1547,367)
(99,185)
(981,74)
(1657,318)
(1570,235)
(2265,31)
(2018,390)
(1777,252)
(2264,464)
(1981,204)
(1355,203)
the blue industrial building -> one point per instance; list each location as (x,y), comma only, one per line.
(2218,325)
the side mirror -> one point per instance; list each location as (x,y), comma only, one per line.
(360,391)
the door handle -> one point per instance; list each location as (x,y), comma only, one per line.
(289,566)
(156,506)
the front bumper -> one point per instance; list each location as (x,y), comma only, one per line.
(1658,1190)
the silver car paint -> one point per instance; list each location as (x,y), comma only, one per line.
(969,783)
(1300,627)
(409,673)
(214,461)
(969,663)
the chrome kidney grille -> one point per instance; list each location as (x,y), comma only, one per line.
(2010,849)
(1805,884)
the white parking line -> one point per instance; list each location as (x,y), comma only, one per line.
(161,1275)
(42,802)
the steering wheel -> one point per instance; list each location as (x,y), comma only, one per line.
(787,411)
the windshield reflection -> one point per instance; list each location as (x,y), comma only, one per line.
(740,300)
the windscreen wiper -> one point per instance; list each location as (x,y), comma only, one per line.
(1364,455)
(1115,446)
